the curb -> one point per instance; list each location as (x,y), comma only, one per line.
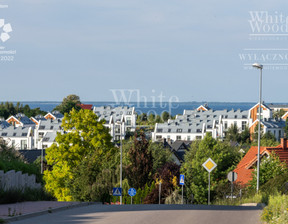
(30,215)
(262,205)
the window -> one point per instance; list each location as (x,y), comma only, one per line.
(188,138)
(14,134)
(51,127)
(117,129)
(244,123)
(128,121)
(168,136)
(23,144)
(189,130)
(235,123)
(128,129)
(178,137)
(24,134)
(4,134)
(159,130)
(225,125)
(13,142)
(280,134)
(41,134)
(158,137)
(169,130)
(41,127)
(179,130)
(198,137)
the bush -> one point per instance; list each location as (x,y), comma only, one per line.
(17,195)
(276,211)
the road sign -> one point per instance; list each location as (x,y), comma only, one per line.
(209,165)
(232,176)
(132,192)
(117,191)
(182,177)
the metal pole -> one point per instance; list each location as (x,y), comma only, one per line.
(259,130)
(131,200)
(121,161)
(182,194)
(42,160)
(232,187)
(209,188)
(159,193)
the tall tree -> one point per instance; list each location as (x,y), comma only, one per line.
(87,141)
(222,153)
(141,162)
(68,103)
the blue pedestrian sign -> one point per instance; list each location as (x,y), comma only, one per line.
(117,191)
(181,179)
(132,192)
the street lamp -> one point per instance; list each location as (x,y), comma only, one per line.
(120,124)
(259,66)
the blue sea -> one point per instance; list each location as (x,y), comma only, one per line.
(152,107)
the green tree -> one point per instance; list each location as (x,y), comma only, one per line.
(160,155)
(222,153)
(165,116)
(68,103)
(233,134)
(270,167)
(85,142)
(141,162)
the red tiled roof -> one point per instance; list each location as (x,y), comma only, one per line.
(86,106)
(245,167)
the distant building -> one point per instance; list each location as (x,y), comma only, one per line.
(194,124)
(54,115)
(37,119)
(18,137)
(46,132)
(116,117)
(20,120)
(85,106)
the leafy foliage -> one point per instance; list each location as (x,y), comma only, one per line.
(85,142)
(270,167)
(141,162)
(68,103)
(8,109)
(225,156)
(160,155)
(168,175)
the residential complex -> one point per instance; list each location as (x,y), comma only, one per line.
(194,124)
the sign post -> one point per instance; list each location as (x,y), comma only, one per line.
(182,182)
(209,165)
(117,191)
(132,193)
(160,192)
(232,176)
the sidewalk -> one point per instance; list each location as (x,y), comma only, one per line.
(27,209)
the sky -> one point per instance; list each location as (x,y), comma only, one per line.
(144,50)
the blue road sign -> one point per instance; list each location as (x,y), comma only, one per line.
(117,191)
(132,192)
(182,177)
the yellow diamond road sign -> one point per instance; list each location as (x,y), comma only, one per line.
(209,165)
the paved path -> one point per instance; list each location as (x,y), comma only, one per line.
(24,208)
(150,214)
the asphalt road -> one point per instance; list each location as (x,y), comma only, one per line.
(150,214)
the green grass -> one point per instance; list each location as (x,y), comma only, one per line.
(277,210)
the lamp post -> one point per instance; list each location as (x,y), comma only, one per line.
(120,124)
(259,66)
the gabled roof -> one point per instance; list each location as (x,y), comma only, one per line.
(245,167)
(31,155)
(4,124)
(262,105)
(13,132)
(52,125)
(55,114)
(85,106)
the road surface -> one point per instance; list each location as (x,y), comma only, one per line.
(150,214)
